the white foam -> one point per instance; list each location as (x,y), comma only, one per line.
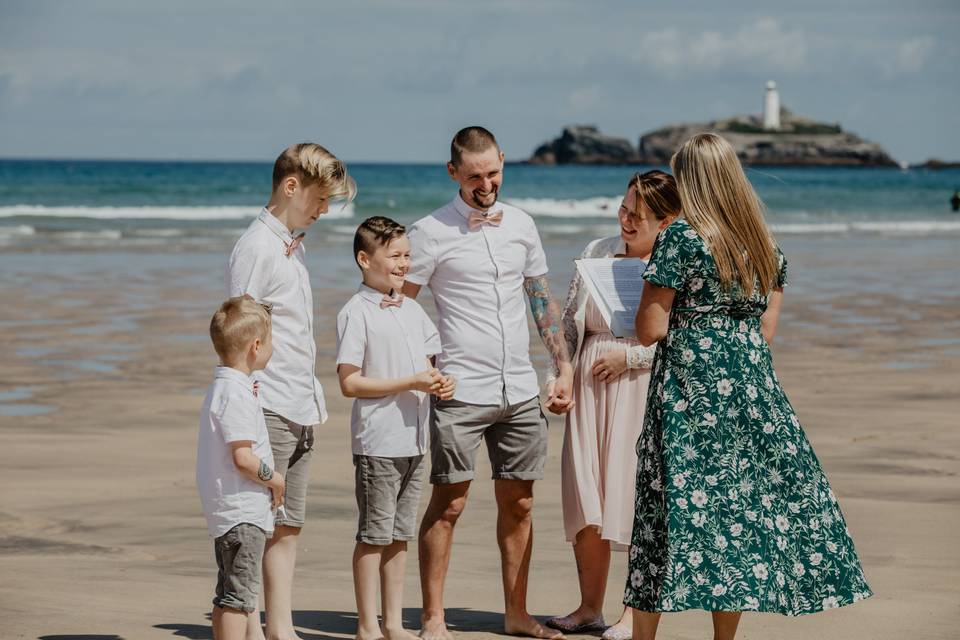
(17,231)
(102,234)
(600,207)
(914,227)
(337,211)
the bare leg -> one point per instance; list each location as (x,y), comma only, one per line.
(645,625)
(391,587)
(515,537)
(279,560)
(229,624)
(593,563)
(366,571)
(254,629)
(725,624)
(436,536)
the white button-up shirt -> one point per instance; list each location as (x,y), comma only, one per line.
(258,267)
(231,413)
(388,343)
(476,278)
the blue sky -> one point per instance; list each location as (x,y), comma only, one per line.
(392,81)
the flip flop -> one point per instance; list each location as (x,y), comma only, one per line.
(564,624)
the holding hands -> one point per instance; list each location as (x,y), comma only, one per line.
(432,381)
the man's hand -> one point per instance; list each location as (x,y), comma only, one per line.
(560,392)
(610,365)
(278,488)
(447,388)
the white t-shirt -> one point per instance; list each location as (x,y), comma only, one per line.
(477,282)
(393,342)
(258,267)
(231,413)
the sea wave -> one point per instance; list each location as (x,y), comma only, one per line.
(914,227)
(599,207)
(337,211)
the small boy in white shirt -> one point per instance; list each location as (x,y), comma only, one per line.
(238,486)
(384,345)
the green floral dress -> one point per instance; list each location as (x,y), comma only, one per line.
(733,512)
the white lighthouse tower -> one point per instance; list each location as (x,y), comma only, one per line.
(771,107)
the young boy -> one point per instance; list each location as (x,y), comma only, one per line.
(384,344)
(268,263)
(235,476)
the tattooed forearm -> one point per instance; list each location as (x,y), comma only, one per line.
(546,314)
(265,473)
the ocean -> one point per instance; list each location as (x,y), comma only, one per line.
(180,206)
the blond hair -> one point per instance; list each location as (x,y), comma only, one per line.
(312,164)
(238,322)
(722,207)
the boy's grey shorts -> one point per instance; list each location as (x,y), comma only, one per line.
(239,554)
(388,493)
(292,446)
(516,437)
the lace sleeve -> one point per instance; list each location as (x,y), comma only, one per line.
(568,322)
(640,357)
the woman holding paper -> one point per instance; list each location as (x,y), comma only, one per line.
(610,388)
(733,511)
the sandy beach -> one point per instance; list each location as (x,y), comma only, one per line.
(106,359)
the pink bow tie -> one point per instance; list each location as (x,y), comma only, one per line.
(477,219)
(292,246)
(391,302)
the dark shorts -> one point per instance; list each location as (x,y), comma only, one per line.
(388,493)
(292,446)
(516,437)
(239,554)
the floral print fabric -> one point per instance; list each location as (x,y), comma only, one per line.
(733,511)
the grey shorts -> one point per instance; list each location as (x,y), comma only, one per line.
(239,555)
(516,437)
(388,493)
(292,446)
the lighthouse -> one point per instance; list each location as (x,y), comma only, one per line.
(771,107)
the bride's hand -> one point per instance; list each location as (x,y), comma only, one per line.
(610,365)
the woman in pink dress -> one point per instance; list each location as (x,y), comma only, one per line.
(599,462)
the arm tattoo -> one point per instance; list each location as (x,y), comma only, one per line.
(265,473)
(547,317)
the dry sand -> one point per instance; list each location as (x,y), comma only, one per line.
(101,534)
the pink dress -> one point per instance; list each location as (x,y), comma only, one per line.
(599,463)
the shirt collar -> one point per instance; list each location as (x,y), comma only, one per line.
(222,372)
(370,294)
(464,209)
(278,228)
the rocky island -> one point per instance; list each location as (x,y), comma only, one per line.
(778,137)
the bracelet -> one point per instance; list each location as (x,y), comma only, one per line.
(265,473)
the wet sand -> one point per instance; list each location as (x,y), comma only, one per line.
(106,360)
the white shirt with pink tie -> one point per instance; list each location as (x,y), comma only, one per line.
(476,273)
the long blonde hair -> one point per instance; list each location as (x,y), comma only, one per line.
(722,207)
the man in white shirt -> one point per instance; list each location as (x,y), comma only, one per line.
(268,264)
(479,257)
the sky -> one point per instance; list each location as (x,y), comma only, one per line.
(392,81)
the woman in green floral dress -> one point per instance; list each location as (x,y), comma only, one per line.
(733,511)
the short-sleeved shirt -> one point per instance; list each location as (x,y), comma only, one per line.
(259,267)
(387,343)
(476,278)
(682,261)
(231,413)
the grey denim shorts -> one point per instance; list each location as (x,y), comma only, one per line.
(516,437)
(388,494)
(239,554)
(292,446)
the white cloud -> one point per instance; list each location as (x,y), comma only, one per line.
(912,55)
(764,45)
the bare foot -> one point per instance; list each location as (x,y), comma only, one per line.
(398,634)
(435,629)
(528,627)
(580,620)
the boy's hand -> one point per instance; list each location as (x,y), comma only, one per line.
(447,388)
(278,487)
(428,381)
